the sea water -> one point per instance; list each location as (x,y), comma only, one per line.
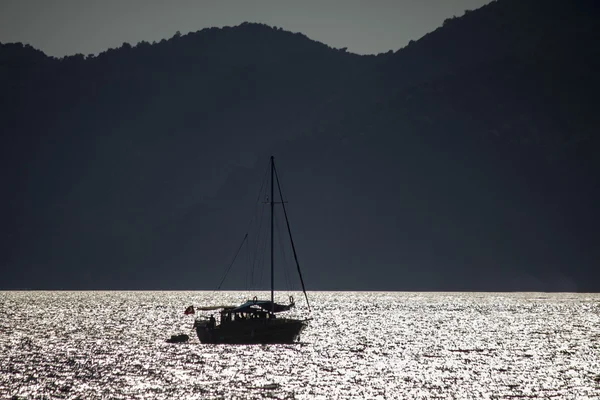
(362,345)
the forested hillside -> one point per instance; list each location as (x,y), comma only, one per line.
(465,161)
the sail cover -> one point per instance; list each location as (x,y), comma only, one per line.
(261,305)
(214,308)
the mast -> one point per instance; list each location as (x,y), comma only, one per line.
(272,220)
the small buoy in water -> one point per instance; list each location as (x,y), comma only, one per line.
(178,338)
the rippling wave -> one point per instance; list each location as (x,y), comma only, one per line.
(93,345)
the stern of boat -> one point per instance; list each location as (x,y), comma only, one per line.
(203,331)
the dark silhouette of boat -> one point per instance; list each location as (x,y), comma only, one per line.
(256,321)
(181,338)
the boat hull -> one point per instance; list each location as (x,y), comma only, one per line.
(252,331)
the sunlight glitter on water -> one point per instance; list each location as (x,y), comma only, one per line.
(359,345)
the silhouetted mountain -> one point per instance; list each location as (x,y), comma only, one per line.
(465,161)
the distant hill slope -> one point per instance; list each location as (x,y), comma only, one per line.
(465,161)
(99,150)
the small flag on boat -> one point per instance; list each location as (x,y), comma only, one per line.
(189,310)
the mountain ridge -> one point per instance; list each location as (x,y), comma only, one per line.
(138,162)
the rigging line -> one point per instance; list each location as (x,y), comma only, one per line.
(254,217)
(263,258)
(251,221)
(257,243)
(247,265)
(283,248)
(291,240)
(285,260)
(248,260)
(262,185)
(233,261)
(283,254)
(247,230)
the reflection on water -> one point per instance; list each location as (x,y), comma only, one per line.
(359,345)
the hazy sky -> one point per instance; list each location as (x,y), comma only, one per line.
(62,27)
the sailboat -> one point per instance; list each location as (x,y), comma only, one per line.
(257,321)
